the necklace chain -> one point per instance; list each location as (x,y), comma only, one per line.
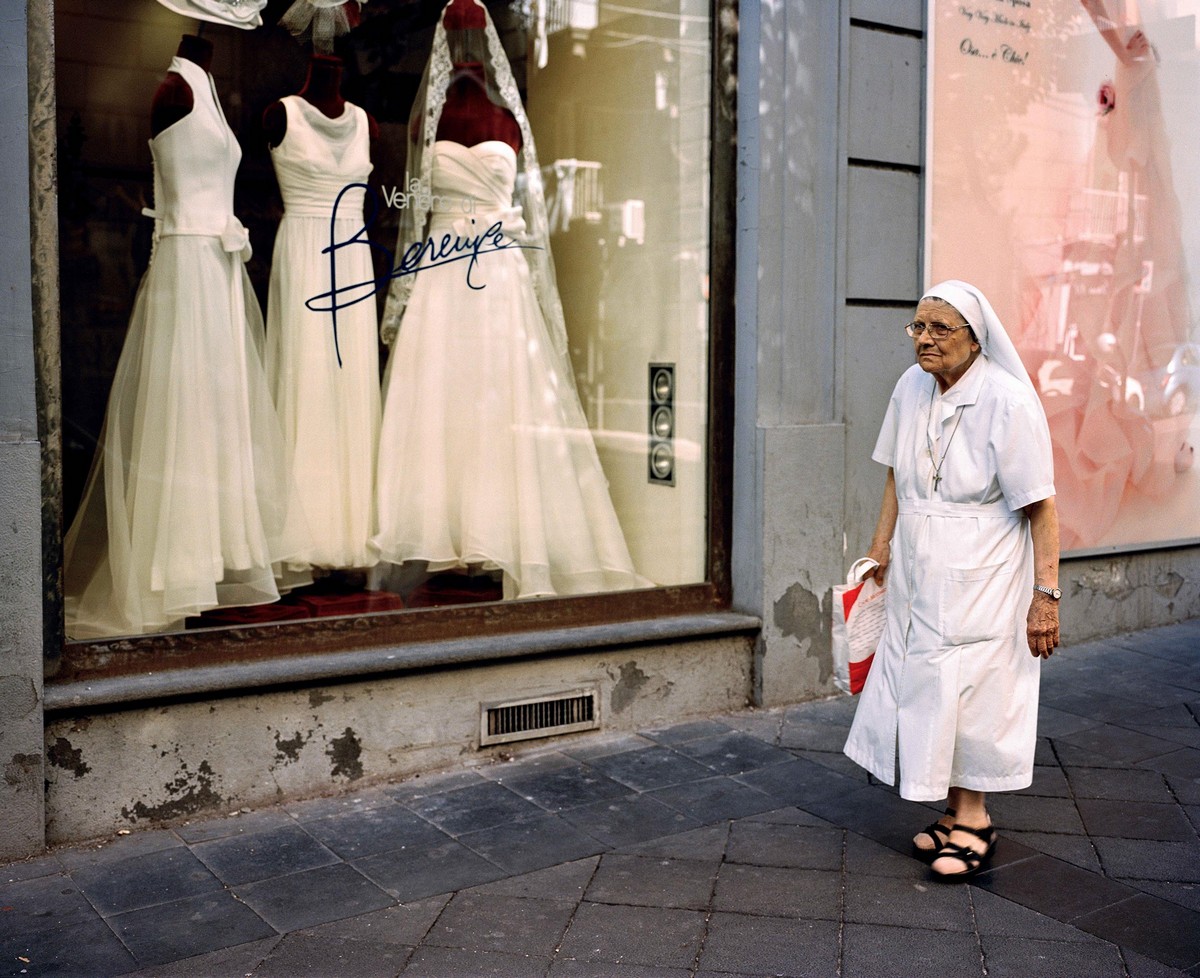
(937,469)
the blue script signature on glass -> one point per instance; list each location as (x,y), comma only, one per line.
(417,256)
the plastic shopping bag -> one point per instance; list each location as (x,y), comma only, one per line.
(858,619)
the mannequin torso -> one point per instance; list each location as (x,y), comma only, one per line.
(173,99)
(322,90)
(470,117)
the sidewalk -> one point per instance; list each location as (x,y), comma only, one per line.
(741,845)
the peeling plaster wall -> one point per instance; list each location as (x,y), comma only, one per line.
(788,444)
(801,556)
(21,759)
(162,764)
(1106,596)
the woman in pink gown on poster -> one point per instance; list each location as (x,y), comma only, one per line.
(1107,442)
(1149,312)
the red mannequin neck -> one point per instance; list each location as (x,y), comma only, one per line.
(197,50)
(322,87)
(463,15)
(470,117)
(173,99)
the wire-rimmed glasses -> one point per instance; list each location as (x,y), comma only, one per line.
(936,331)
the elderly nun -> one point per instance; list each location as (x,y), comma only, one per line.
(967,541)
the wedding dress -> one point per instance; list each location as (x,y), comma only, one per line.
(189,505)
(486,460)
(325,377)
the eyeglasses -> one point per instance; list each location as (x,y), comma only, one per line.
(937,331)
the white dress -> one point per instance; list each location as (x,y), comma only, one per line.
(188,505)
(326,387)
(485,457)
(953,690)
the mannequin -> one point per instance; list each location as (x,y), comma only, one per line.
(323,363)
(469,116)
(506,480)
(322,89)
(189,505)
(173,99)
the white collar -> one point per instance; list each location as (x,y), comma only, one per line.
(965,391)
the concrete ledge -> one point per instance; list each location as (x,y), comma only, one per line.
(130,763)
(229,679)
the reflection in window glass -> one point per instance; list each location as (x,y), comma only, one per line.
(411,317)
(1063,181)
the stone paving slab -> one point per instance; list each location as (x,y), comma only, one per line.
(741,846)
(638,880)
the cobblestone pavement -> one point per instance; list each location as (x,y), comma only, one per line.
(743,844)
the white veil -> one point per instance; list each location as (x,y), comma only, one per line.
(319,21)
(450,48)
(993,338)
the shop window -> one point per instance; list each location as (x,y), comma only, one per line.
(368,312)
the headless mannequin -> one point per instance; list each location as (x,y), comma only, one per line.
(173,99)
(322,90)
(469,116)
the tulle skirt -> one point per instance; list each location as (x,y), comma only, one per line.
(330,413)
(485,458)
(189,504)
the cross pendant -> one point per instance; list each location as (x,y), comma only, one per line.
(936,479)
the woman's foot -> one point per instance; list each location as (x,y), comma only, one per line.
(930,839)
(966,852)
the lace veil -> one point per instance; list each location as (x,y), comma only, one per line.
(456,47)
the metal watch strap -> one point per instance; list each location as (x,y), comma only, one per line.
(1054,592)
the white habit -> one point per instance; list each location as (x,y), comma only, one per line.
(953,691)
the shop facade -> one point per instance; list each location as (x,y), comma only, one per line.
(600,492)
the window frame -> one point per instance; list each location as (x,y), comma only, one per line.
(67,661)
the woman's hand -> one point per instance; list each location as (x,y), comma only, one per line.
(1139,48)
(1110,30)
(1041,625)
(881,553)
(1042,622)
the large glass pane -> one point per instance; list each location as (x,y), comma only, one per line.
(517,192)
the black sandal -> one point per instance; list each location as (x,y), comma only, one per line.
(940,835)
(973,860)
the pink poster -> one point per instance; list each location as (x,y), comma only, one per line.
(1064,163)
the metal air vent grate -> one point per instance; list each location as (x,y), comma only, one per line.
(543,716)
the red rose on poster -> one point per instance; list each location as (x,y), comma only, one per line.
(1107,98)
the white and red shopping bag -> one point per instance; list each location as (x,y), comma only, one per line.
(858,619)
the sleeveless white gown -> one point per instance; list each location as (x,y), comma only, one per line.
(188,505)
(329,410)
(485,458)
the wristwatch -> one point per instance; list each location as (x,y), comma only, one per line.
(1054,592)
